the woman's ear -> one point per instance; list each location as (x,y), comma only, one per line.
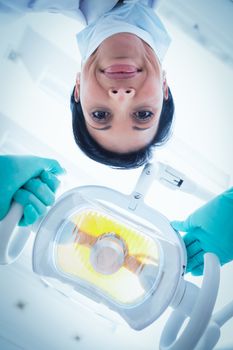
(165,86)
(77,88)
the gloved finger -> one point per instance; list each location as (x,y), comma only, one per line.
(40,190)
(195,261)
(25,197)
(193,247)
(30,216)
(54,167)
(192,244)
(189,239)
(50,179)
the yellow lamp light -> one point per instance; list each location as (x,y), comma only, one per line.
(105,251)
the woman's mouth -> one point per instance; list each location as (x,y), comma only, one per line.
(121,71)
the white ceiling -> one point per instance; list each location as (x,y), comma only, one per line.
(208,22)
(39,59)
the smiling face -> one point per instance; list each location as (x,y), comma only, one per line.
(121,90)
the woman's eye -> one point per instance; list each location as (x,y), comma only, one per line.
(143,115)
(100,115)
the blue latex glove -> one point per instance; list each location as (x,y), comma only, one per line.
(209,229)
(30,181)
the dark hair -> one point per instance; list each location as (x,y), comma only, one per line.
(128,160)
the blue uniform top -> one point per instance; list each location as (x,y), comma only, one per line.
(133,16)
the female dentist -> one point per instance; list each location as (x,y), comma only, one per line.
(121,104)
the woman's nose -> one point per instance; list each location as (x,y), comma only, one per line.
(121,93)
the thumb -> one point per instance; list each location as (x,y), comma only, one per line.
(54,167)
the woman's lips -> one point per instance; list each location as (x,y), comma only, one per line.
(123,68)
(121,71)
(121,75)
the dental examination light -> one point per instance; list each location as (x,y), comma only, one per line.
(115,250)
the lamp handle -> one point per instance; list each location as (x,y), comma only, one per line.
(200,314)
(12,237)
(213,331)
